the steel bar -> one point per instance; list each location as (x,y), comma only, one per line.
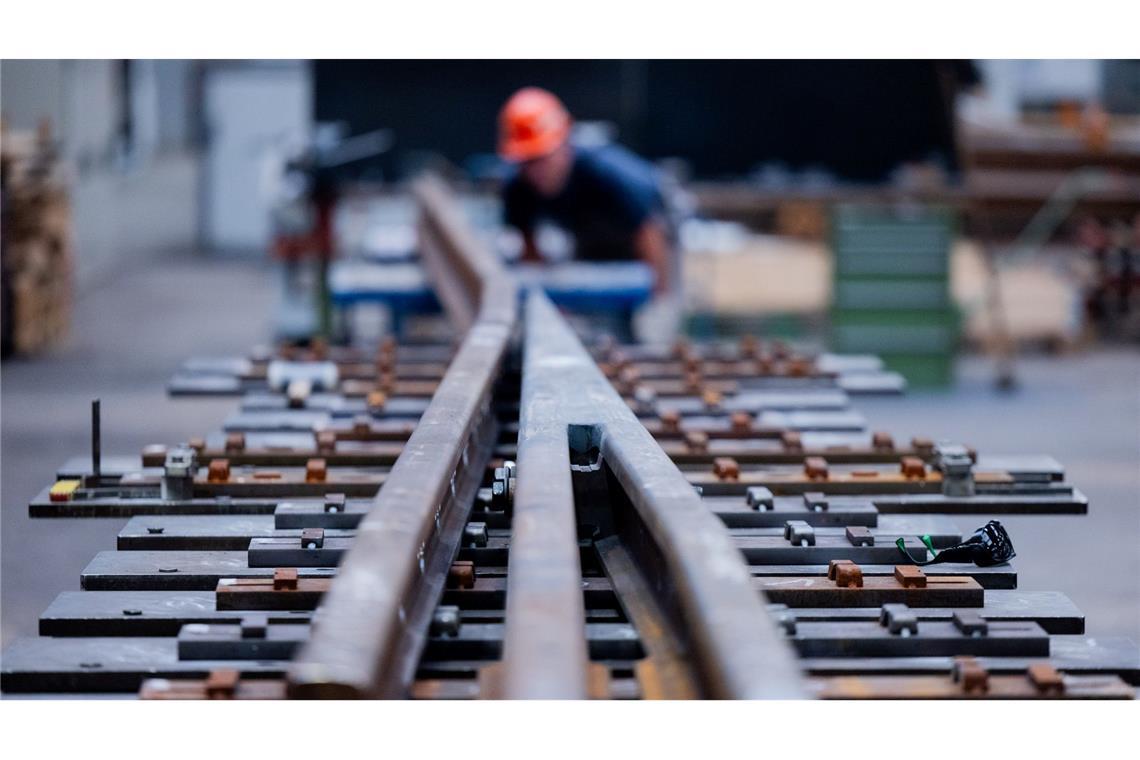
(736,648)
(375,615)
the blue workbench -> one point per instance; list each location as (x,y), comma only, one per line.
(610,289)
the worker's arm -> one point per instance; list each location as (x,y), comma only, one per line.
(652,245)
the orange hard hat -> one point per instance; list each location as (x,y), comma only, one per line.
(532,124)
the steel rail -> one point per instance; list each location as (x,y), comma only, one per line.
(469,279)
(374,620)
(544,645)
(685,553)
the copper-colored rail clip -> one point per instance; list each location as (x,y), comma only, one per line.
(697,441)
(970,673)
(284,578)
(726,468)
(910,576)
(219,471)
(913,467)
(815,468)
(461,574)
(316,471)
(845,573)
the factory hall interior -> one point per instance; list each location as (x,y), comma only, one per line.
(450,380)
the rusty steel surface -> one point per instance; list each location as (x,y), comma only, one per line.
(739,652)
(544,646)
(369,639)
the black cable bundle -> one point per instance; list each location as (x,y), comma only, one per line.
(989,545)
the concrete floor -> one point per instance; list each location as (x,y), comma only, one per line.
(131,333)
(128,336)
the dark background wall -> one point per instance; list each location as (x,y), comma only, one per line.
(856,119)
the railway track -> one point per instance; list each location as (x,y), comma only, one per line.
(519,513)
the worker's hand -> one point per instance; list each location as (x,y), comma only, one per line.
(652,244)
(530,254)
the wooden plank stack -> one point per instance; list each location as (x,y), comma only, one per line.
(37,259)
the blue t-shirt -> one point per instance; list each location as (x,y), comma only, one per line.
(609,195)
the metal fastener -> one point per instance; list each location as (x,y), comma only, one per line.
(671,420)
(1046,679)
(316,471)
(970,622)
(881,441)
(222,684)
(376,401)
(970,673)
(912,468)
(815,501)
(445,621)
(860,535)
(791,440)
(845,573)
(815,468)
(726,468)
(760,498)
(741,422)
(335,502)
(326,441)
(910,576)
(898,619)
(284,578)
(697,441)
(475,534)
(799,533)
(219,471)
(924,447)
(461,574)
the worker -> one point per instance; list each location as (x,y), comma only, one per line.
(609,199)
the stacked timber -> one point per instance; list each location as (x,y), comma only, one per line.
(35,231)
